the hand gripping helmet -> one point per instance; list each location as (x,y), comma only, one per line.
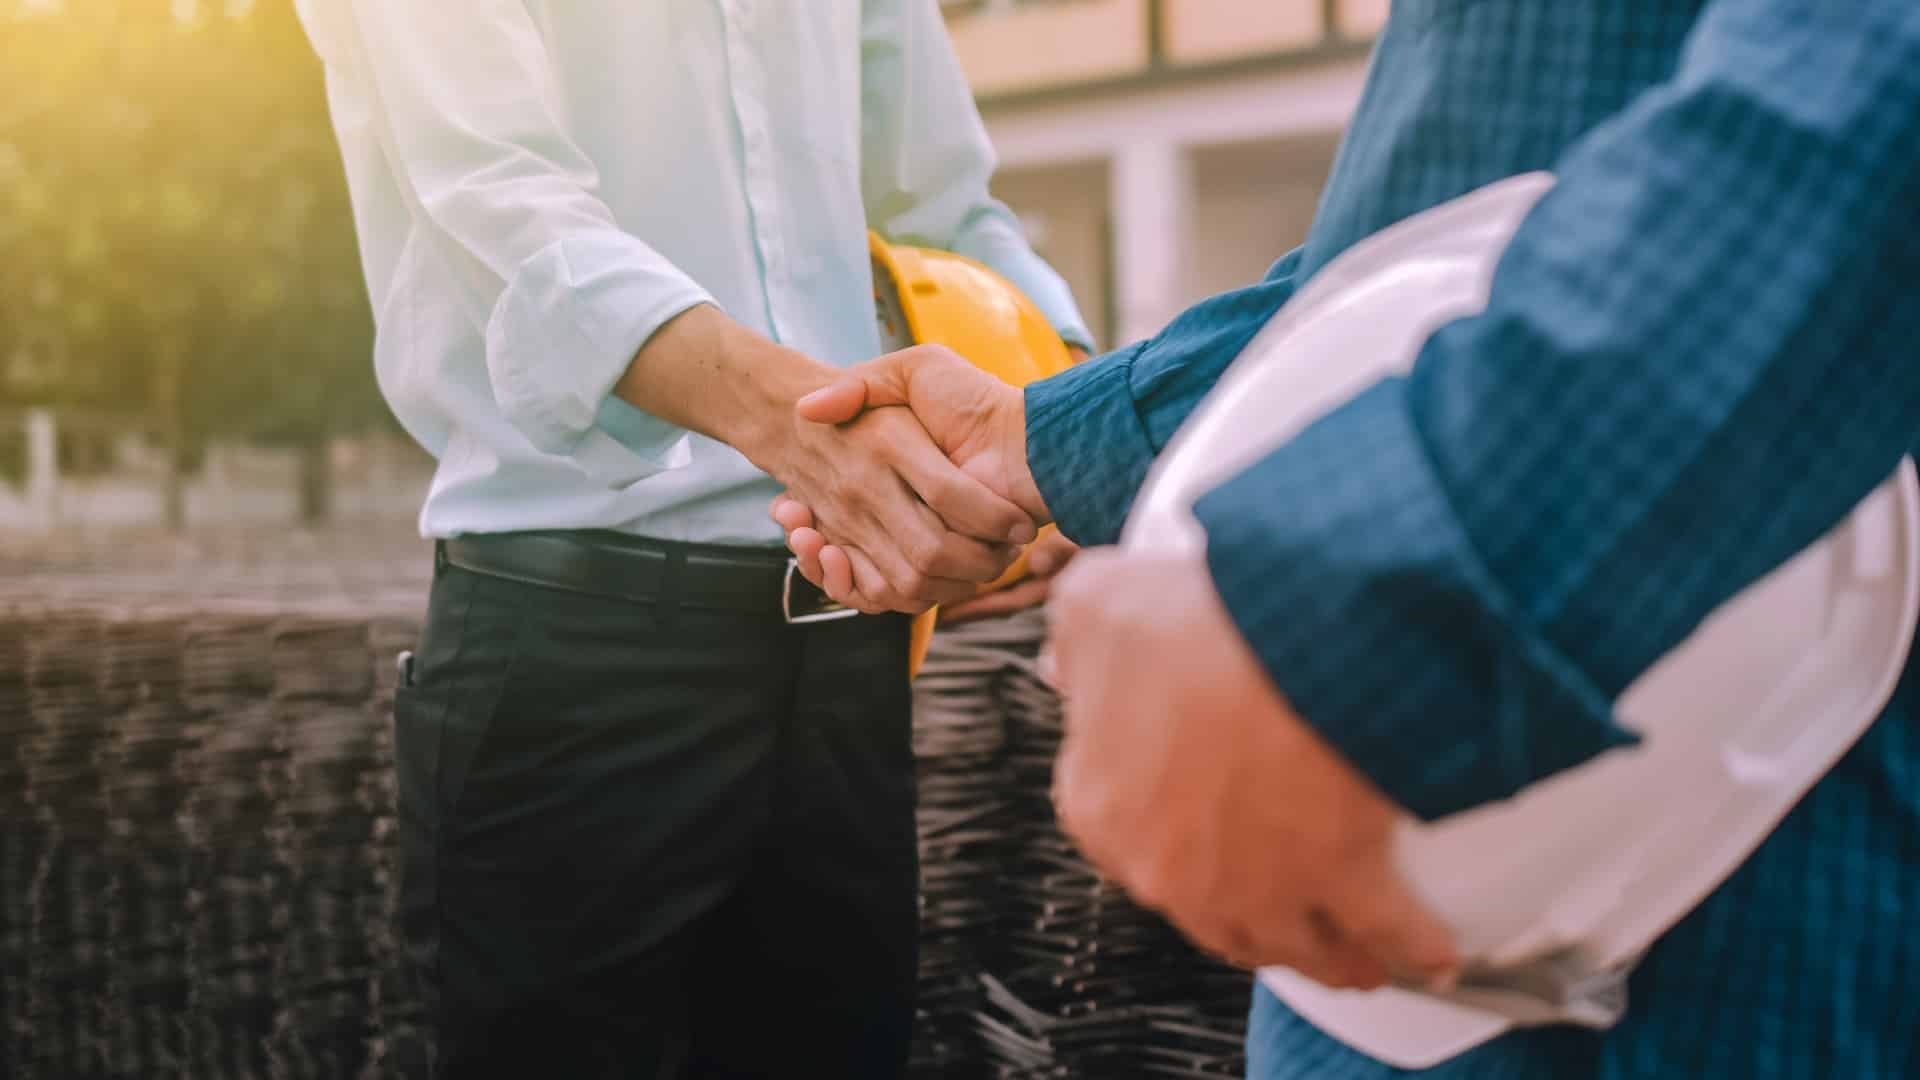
(1554,894)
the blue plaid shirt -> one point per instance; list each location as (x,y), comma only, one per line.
(1699,354)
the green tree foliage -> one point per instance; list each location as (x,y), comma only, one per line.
(175,238)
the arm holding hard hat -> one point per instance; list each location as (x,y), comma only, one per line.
(1696,358)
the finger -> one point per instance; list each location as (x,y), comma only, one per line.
(1282,937)
(1081,809)
(925,562)
(965,504)
(837,571)
(839,401)
(1073,610)
(1026,594)
(937,551)
(1050,554)
(790,513)
(1048,666)
(1080,635)
(1299,945)
(1229,946)
(1379,912)
(872,385)
(1061,650)
(947,554)
(806,545)
(1345,963)
(902,586)
(870,592)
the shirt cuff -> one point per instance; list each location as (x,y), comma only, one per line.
(1341,561)
(564,331)
(1086,447)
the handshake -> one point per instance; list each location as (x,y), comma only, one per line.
(1184,775)
(935,501)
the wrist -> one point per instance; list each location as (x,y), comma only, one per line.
(1022,489)
(767,379)
(707,373)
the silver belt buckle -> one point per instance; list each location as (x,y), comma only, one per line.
(827,608)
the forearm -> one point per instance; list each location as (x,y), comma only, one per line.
(707,373)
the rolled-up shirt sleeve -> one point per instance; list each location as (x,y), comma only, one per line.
(468,116)
(926,160)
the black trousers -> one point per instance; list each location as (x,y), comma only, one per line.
(648,842)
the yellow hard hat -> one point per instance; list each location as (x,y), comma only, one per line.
(928,297)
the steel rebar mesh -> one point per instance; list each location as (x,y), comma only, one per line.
(195,805)
(1074,980)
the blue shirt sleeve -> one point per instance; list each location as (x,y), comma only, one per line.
(1093,431)
(1698,356)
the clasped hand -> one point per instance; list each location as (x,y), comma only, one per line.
(978,424)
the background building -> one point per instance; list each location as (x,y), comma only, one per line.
(1163,150)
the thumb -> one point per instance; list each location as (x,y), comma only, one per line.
(866,386)
(835,403)
(1385,918)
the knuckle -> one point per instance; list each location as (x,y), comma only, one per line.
(936,354)
(947,494)
(923,552)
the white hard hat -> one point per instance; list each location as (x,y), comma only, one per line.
(1554,894)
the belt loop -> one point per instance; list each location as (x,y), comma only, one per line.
(673,584)
(439,558)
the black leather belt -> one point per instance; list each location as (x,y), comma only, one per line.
(749,580)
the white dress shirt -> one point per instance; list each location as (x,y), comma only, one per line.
(540,184)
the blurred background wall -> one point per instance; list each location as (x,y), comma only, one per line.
(1160,151)
(184,340)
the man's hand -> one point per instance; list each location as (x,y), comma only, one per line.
(917,529)
(1188,779)
(976,420)
(905,512)
(1045,559)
